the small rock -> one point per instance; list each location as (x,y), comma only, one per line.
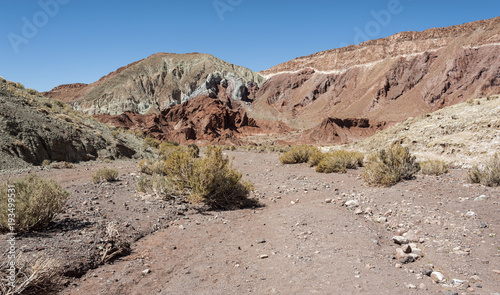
(264,256)
(480,198)
(382,219)
(470,214)
(436,276)
(426,272)
(358,211)
(449,293)
(400,253)
(471,290)
(368,210)
(400,231)
(352,203)
(398,265)
(406,248)
(459,283)
(328,201)
(400,240)
(388,213)
(146,271)
(411,286)
(475,278)
(422,286)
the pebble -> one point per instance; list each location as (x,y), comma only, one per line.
(422,286)
(358,211)
(352,203)
(437,276)
(264,256)
(406,248)
(480,198)
(400,240)
(459,283)
(146,271)
(470,214)
(411,286)
(449,293)
(328,201)
(426,272)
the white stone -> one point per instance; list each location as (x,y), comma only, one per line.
(437,276)
(352,203)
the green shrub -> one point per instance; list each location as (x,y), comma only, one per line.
(487,174)
(37,202)
(32,91)
(143,184)
(46,163)
(105,174)
(388,167)
(298,154)
(339,161)
(433,167)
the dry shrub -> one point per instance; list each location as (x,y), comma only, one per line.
(433,167)
(316,158)
(340,161)
(115,245)
(151,141)
(37,202)
(388,167)
(211,179)
(46,163)
(105,174)
(487,174)
(34,275)
(61,165)
(298,154)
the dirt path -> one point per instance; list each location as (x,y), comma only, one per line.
(300,244)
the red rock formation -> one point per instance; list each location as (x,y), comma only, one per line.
(340,131)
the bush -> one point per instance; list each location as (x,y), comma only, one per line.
(105,174)
(433,167)
(298,154)
(19,85)
(339,161)
(388,167)
(37,202)
(315,158)
(61,165)
(211,179)
(487,174)
(151,141)
(46,163)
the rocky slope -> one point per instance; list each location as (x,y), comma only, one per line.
(34,128)
(157,82)
(390,79)
(466,133)
(199,120)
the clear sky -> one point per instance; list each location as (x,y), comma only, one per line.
(45,43)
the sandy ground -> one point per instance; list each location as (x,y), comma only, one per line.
(298,242)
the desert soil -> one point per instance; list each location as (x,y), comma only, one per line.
(298,242)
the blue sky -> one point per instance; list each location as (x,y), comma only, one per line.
(45,43)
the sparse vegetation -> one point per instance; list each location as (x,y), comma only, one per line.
(340,161)
(211,179)
(487,174)
(387,167)
(433,167)
(46,163)
(37,200)
(34,275)
(151,141)
(316,158)
(61,165)
(105,174)
(298,154)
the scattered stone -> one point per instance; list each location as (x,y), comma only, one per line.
(261,241)
(459,283)
(368,210)
(400,240)
(264,256)
(480,198)
(449,293)
(382,219)
(146,271)
(422,286)
(400,231)
(352,203)
(411,286)
(388,213)
(406,248)
(411,236)
(328,201)
(398,265)
(436,276)
(471,290)
(475,278)
(470,214)
(358,211)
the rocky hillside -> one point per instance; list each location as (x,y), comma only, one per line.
(465,133)
(157,82)
(34,128)
(390,79)
(199,120)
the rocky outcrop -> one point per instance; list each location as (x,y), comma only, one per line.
(34,128)
(390,79)
(158,82)
(341,131)
(202,119)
